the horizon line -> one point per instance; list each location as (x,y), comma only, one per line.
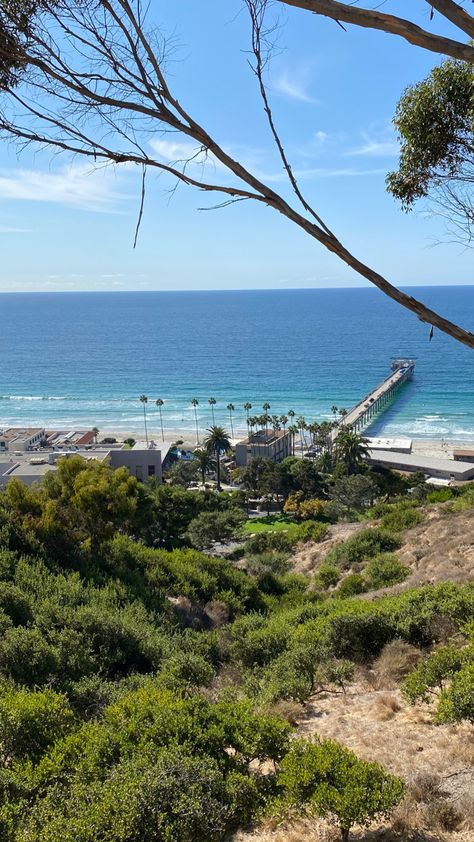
(226,290)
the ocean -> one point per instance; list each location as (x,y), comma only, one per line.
(77,360)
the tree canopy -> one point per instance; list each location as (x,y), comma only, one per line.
(435,122)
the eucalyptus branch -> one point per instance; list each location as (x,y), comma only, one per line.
(394,25)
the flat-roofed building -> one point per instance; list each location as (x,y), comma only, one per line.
(428,465)
(463,455)
(267,444)
(21,438)
(143,462)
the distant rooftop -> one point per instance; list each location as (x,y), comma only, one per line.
(460,471)
(264,437)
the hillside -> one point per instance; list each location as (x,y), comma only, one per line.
(439,549)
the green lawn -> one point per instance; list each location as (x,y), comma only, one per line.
(272,523)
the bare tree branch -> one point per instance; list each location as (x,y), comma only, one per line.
(103,94)
(454,13)
(411,32)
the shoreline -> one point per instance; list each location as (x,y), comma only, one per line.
(436,448)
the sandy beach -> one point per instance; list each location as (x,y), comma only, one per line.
(438,448)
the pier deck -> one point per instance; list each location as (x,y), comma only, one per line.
(362,414)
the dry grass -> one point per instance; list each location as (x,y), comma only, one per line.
(440,549)
(437,550)
(310,556)
(395,661)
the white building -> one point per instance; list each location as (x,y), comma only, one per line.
(21,438)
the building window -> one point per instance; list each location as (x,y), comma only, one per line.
(151,470)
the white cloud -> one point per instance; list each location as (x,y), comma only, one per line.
(314,173)
(376,148)
(294,85)
(73,185)
(179,152)
(321,137)
(7,230)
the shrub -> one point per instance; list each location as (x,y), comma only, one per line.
(441,495)
(15,604)
(433,672)
(30,722)
(385,570)
(170,795)
(401,517)
(309,530)
(262,542)
(27,657)
(352,585)
(327,576)
(456,702)
(334,783)
(364,545)
(209,527)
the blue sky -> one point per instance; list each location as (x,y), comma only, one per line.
(64,226)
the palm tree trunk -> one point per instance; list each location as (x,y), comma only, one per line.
(218,454)
(161,424)
(146,429)
(197,428)
(345,834)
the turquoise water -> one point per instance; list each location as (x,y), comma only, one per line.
(82,359)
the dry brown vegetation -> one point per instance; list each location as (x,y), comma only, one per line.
(439,549)
(437,762)
(373,719)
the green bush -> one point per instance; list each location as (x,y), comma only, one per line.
(456,702)
(309,530)
(27,658)
(327,576)
(331,781)
(401,517)
(209,527)
(263,542)
(433,672)
(30,722)
(384,570)
(441,495)
(172,795)
(362,546)
(352,585)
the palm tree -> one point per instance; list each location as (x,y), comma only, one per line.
(266,407)
(215,442)
(231,408)
(284,422)
(247,407)
(253,422)
(212,402)
(207,462)
(334,410)
(195,404)
(342,413)
(144,401)
(291,414)
(301,424)
(350,449)
(95,430)
(276,423)
(159,404)
(292,429)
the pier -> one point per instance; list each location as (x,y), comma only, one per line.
(362,414)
